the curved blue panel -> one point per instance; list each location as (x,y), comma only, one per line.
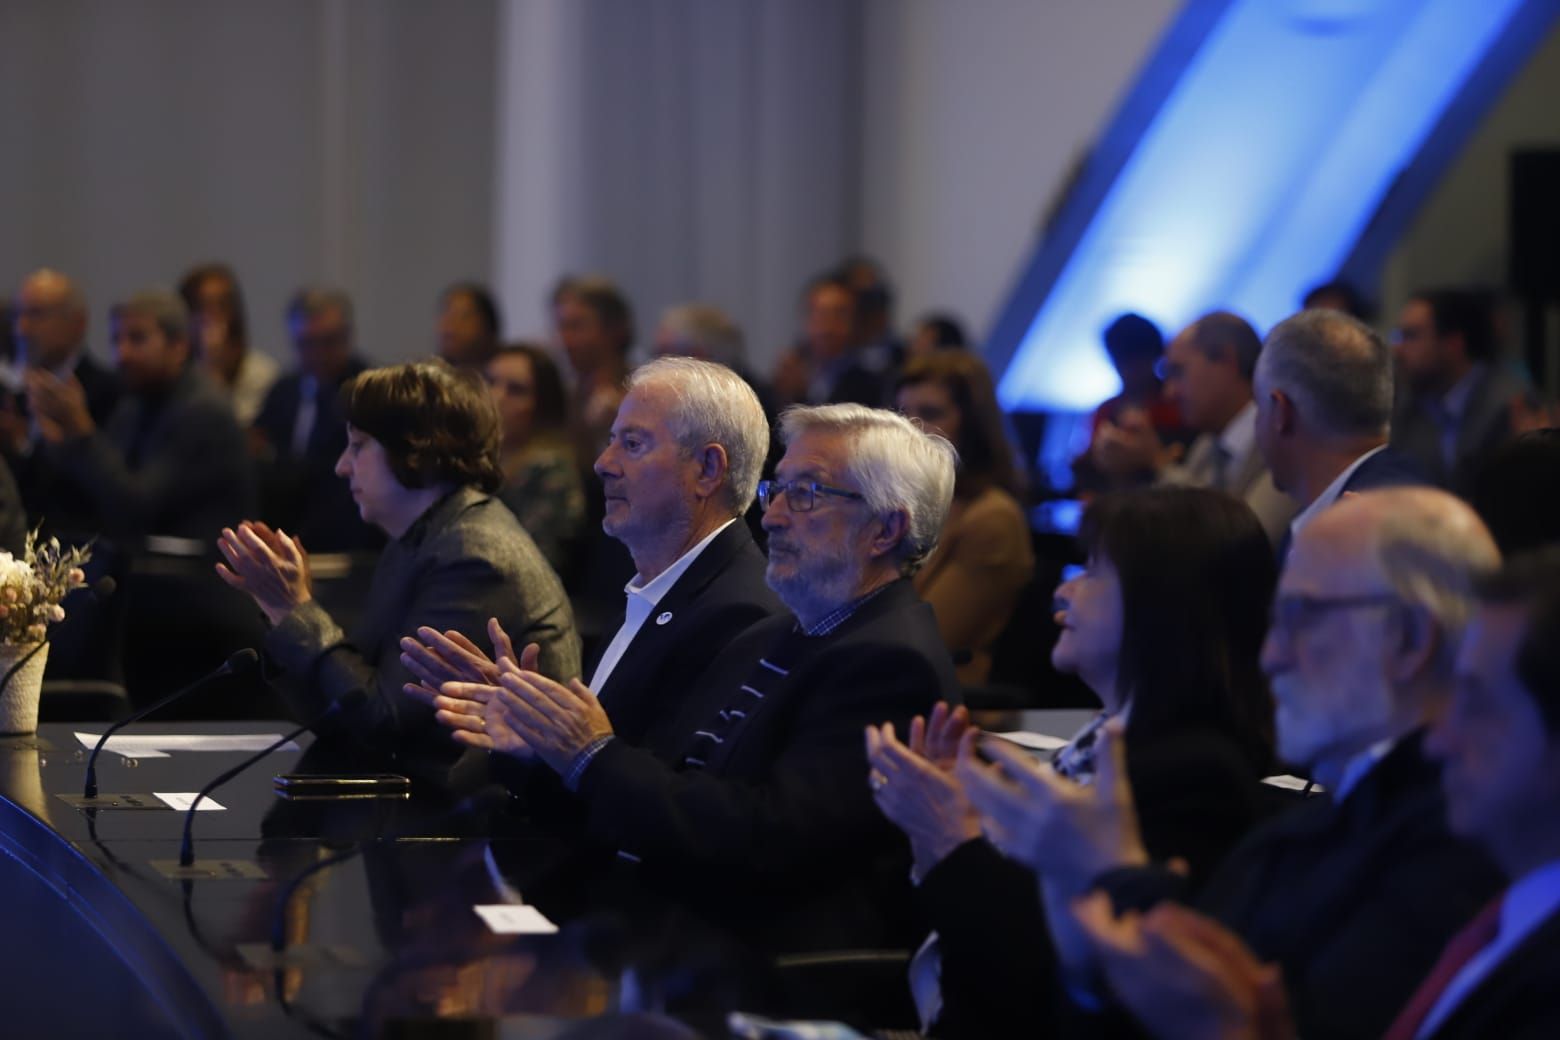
(1244,167)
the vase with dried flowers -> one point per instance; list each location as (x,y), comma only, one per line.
(32,593)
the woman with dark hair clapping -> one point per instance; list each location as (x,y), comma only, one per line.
(1165,624)
(422,463)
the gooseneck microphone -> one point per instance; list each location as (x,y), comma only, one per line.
(187,846)
(240,662)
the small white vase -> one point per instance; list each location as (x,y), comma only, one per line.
(19,698)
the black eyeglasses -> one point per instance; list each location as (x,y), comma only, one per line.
(800,495)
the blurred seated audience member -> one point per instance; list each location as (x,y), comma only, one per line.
(880,347)
(826,367)
(50,326)
(595,327)
(935,332)
(760,811)
(1324,412)
(219,328)
(7,331)
(1499,743)
(422,462)
(1338,295)
(541,476)
(1517,492)
(1135,347)
(985,555)
(1208,372)
(170,460)
(1454,394)
(683,463)
(1352,893)
(699,330)
(1181,574)
(470,328)
(13,517)
(301,432)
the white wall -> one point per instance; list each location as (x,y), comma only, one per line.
(974,115)
(1462,235)
(343,140)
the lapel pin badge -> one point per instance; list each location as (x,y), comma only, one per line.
(663,618)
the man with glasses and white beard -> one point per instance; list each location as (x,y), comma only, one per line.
(761,806)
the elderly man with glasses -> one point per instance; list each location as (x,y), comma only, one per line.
(761,808)
(1353,893)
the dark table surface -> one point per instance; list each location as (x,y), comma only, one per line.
(382,939)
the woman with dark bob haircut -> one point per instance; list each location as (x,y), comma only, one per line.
(422,462)
(1165,624)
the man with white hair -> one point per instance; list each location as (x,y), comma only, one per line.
(1354,892)
(681,468)
(763,797)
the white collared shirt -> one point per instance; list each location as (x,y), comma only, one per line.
(1530,901)
(642,601)
(1331,493)
(1239,436)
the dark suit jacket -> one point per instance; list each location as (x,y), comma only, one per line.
(1387,468)
(1485,426)
(465,560)
(1354,900)
(45,495)
(301,493)
(1519,1000)
(1197,794)
(781,813)
(718,597)
(173,465)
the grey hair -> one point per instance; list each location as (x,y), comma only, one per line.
(1433,549)
(714,406)
(1219,331)
(162,306)
(896,464)
(708,328)
(1338,371)
(314,301)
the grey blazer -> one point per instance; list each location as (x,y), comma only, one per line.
(465,560)
(1485,425)
(1247,479)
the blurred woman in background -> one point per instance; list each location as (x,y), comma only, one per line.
(542,484)
(985,556)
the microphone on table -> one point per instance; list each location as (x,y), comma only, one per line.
(99,590)
(240,662)
(187,845)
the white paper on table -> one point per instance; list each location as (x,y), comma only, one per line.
(509,919)
(1032,741)
(151,745)
(180,801)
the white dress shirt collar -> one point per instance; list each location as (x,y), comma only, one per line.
(1332,492)
(1239,436)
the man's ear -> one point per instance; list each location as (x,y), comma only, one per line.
(1283,411)
(892,529)
(713,469)
(1413,643)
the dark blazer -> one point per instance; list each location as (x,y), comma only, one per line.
(781,812)
(46,496)
(1354,900)
(301,493)
(1388,468)
(465,560)
(1197,794)
(718,597)
(172,465)
(1485,426)
(1519,1000)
